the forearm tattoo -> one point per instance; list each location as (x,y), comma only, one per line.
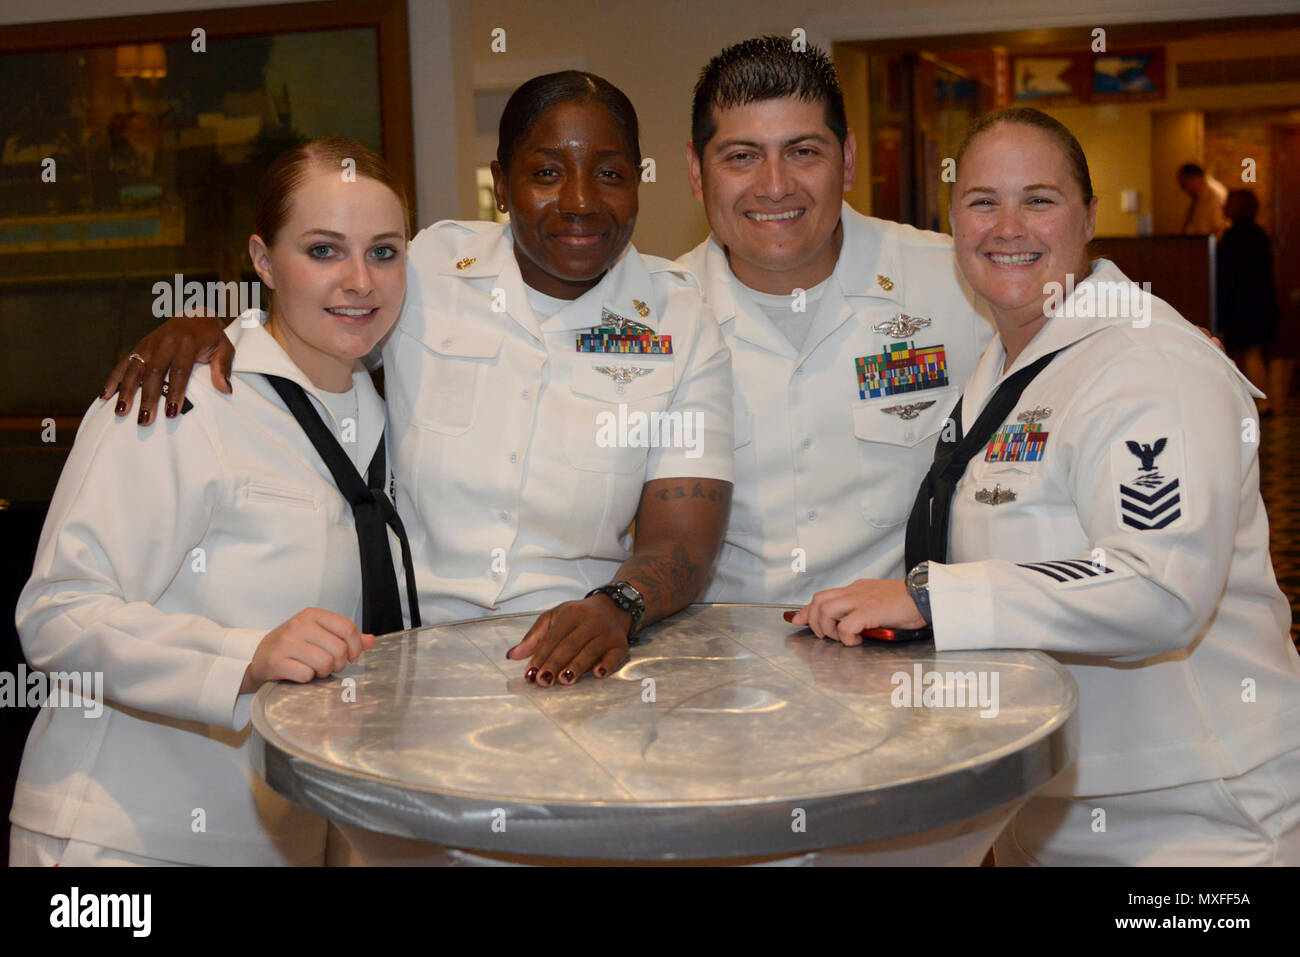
(667,581)
(670,575)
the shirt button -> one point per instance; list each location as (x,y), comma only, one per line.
(496,576)
(909,435)
(505,516)
(807,443)
(446,343)
(812,515)
(514,457)
(524,394)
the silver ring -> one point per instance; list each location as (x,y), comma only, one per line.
(139,358)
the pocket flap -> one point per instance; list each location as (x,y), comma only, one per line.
(621,378)
(744,426)
(906,419)
(448,336)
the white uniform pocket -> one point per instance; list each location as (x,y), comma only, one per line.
(618,409)
(443,373)
(896,438)
(271,519)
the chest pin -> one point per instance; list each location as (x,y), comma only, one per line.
(909,411)
(1036,414)
(622,375)
(902,325)
(997,496)
(466,262)
(885,282)
(642,309)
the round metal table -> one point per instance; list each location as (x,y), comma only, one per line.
(728,732)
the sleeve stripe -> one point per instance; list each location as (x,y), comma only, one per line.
(1066,569)
(1086,567)
(1047,572)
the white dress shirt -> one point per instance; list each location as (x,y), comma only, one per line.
(826,473)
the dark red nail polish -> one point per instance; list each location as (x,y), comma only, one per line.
(530,674)
(545,678)
(172,410)
(121,407)
(144,417)
(567,674)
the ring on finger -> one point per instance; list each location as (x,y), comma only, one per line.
(138,358)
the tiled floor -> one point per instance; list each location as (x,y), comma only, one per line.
(1279,475)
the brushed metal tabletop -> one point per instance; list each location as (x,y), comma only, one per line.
(728,732)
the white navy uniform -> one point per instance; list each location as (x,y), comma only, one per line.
(516,436)
(500,420)
(828,461)
(167,555)
(1115,522)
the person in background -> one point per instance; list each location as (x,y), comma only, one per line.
(1205,211)
(193,562)
(1099,501)
(1247,298)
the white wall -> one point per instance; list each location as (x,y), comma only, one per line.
(653,50)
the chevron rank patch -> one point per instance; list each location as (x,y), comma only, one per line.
(1148,470)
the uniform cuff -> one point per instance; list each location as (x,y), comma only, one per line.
(241,643)
(716,460)
(220,700)
(961,604)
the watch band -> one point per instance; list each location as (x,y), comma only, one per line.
(625,595)
(918,586)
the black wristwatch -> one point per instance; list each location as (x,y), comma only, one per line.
(626,597)
(918,586)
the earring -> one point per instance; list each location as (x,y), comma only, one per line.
(501,206)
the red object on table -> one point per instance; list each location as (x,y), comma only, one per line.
(876,634)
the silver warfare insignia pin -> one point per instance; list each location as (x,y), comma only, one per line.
(620,325)
(622,375)
(909,411)
(902,325)
(995,497)
(1036,414)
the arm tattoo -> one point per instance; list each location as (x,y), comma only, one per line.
(667,582)
(680,491)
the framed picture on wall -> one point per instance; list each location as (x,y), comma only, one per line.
(1129,76)
(1051,78)
(130,152)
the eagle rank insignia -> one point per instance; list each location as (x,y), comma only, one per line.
(1148,472)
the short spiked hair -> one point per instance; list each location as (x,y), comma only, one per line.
(765,68)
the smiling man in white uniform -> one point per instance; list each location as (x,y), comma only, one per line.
(850,340)
(850,336)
